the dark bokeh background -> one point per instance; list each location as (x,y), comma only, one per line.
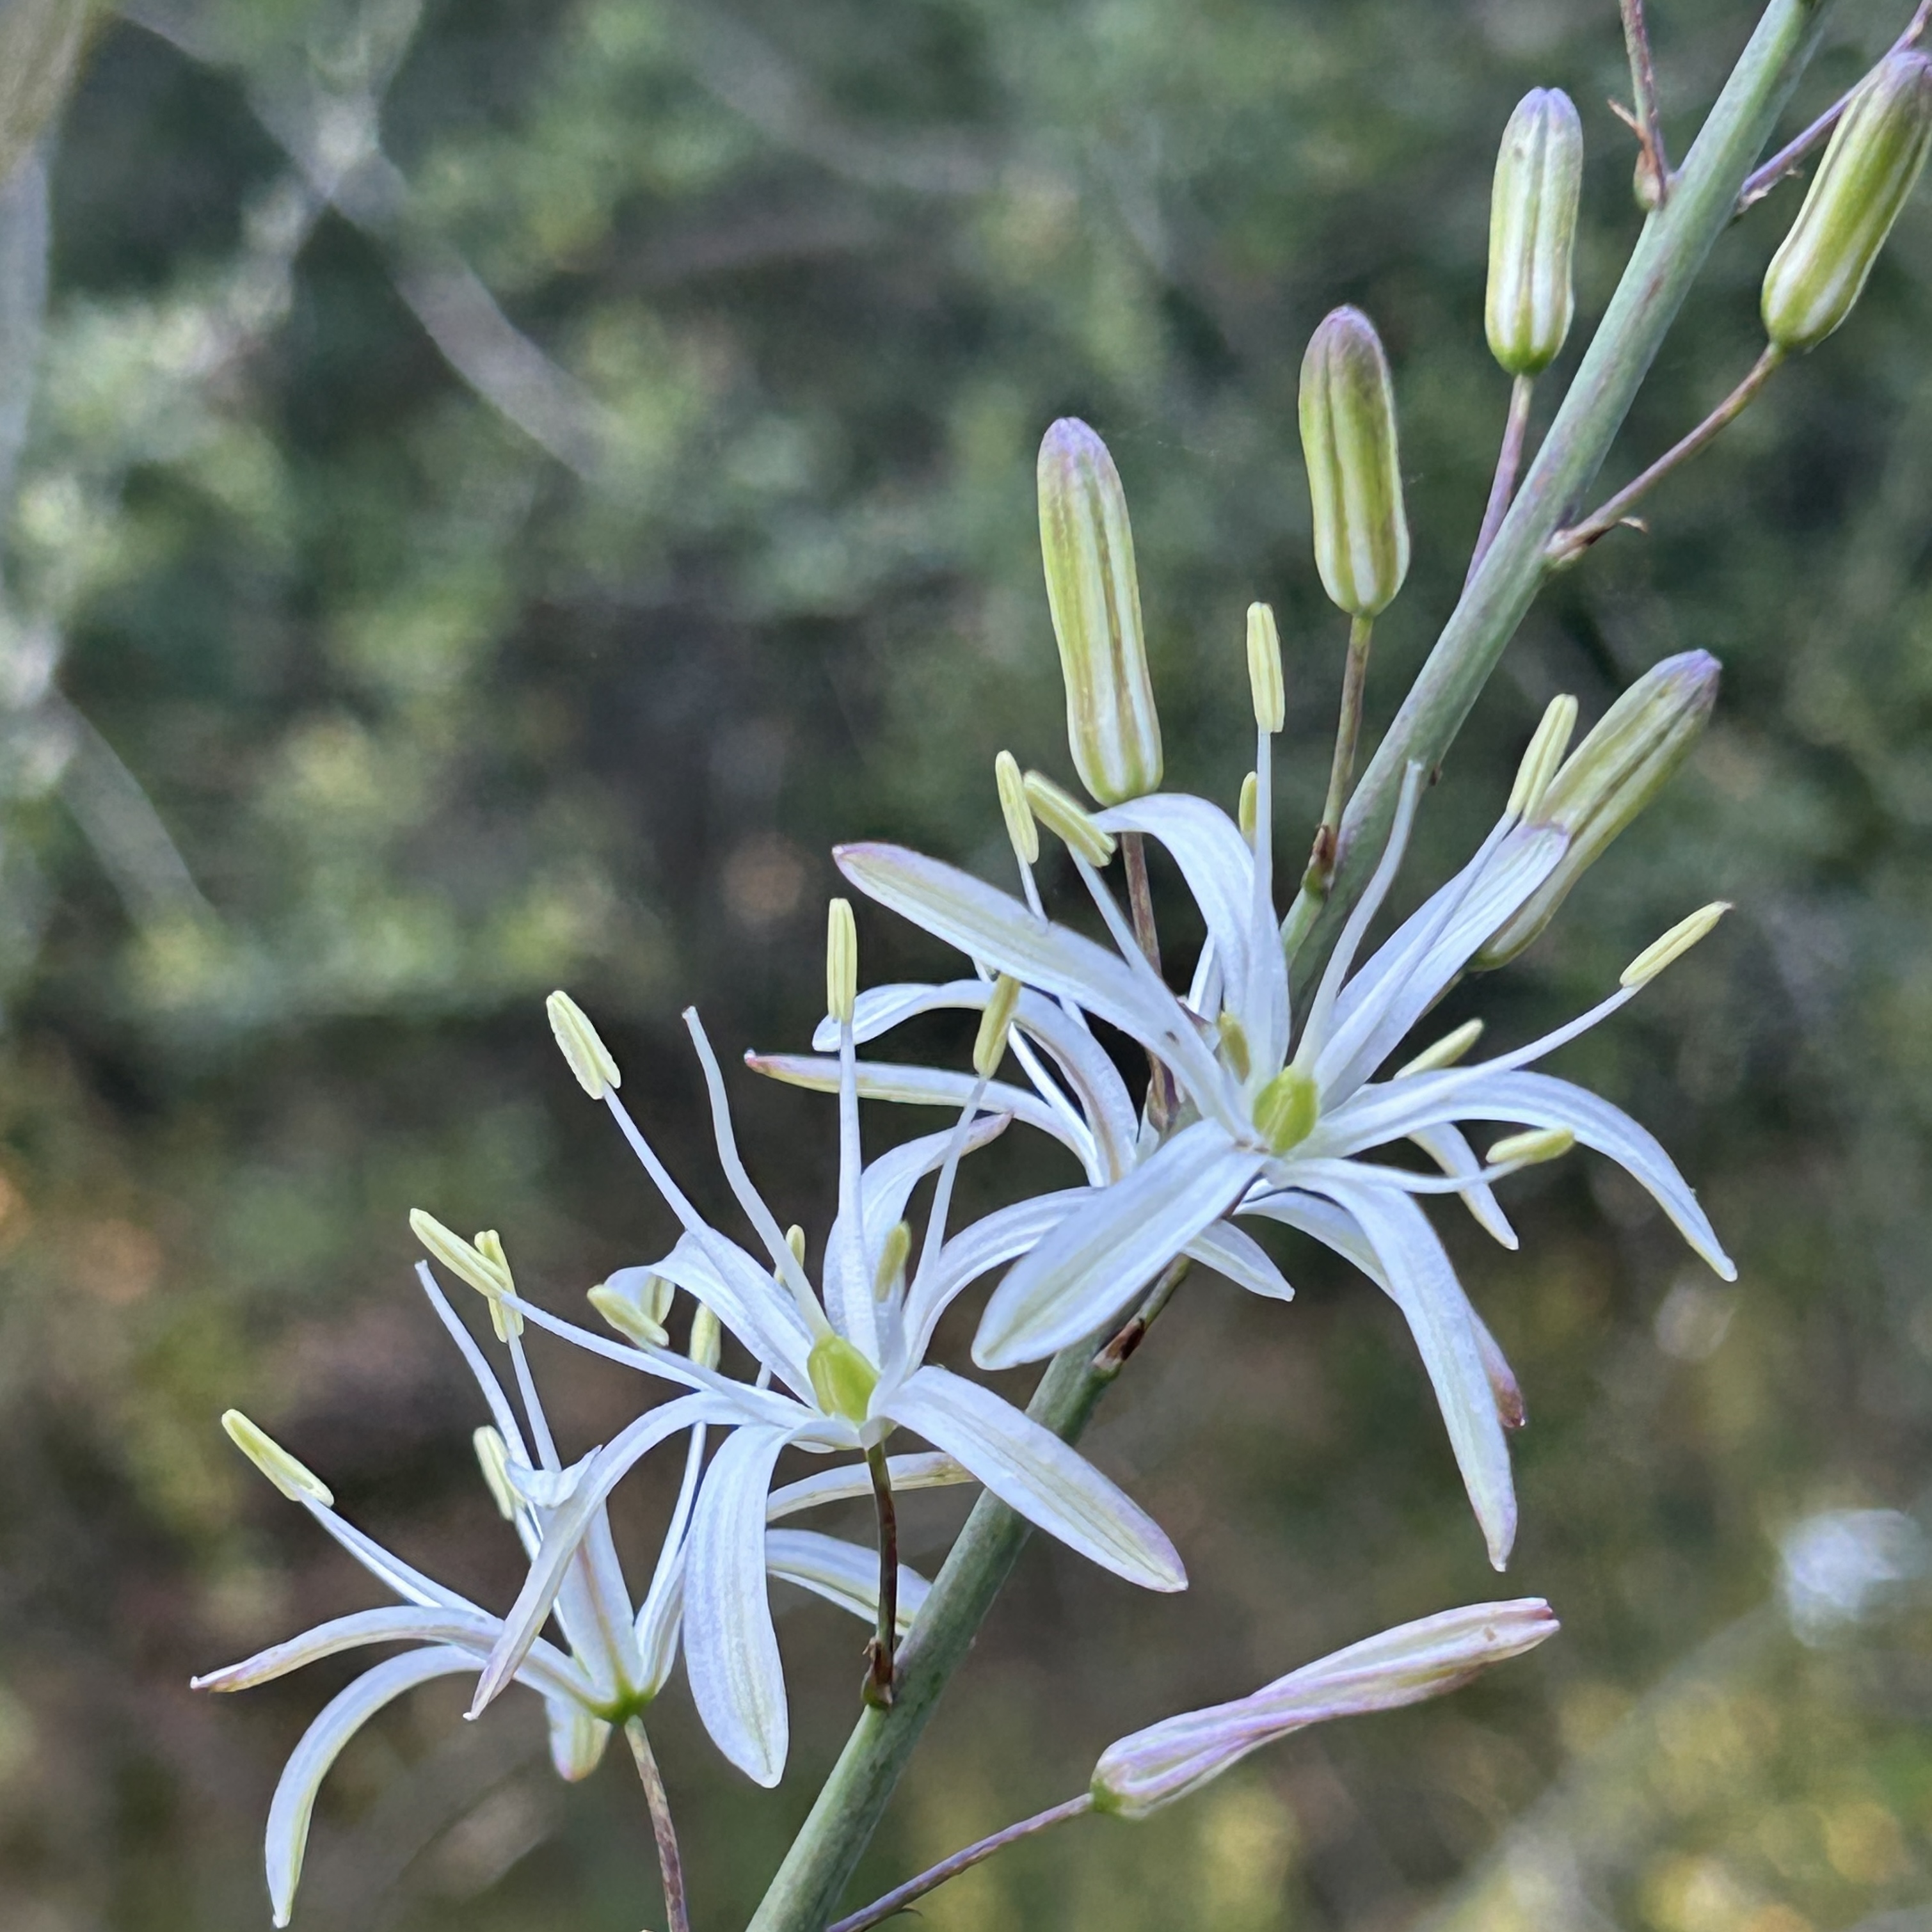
(508,485)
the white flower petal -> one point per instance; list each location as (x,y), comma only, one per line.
(926,1470)
(990,926)
(1097,1260)
(1220,868)
(745,1297)
(547,1669)
(341,1717)
(731,1651)
(1243,1259)
(564,1533)
(1542,1100)
(1454,1155)
(841,1572)
(1033,1472)
(576,1740)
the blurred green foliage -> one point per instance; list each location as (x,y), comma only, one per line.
(508,485)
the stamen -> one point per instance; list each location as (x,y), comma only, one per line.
(293,1479)
(1541,762)
(707,1338)
(1020,830)
(1532,1148)
(589,1058)
(493,1457)
(1063,814)
(1234,1044)
(1674,943)
(996,1021)
(942,1191)
(629,1318)
(1447,1051)
(1265,679)
(892,1259)
(1246,815)
(842,960)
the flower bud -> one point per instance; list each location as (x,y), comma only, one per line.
(1088,548)
(1354,472)
(1875,152)
(1168,1760)
(1532,231)
(1634,751)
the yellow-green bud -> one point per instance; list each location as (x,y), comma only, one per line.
(293,1479)
(589,1058)
(1354,470)
(1285,1109)
(1674,943)
(1061,813)
(1875,153)
(1265,680)
(996,1022)
(841,1377)
(1632,753)
(1088,545)
(841,960)
(1532,231)
(1020,830)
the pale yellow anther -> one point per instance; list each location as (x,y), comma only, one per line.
(996,1022)
(1249,810)
(1264,680)
(630,1318)
(1674,943)
(493,1457)
(504,1319)
(841,960)
(707,1338)
(274,1461)
(1527,1150)
(1064,815)
(795,1240)
(1446,1052)
(1234,1044)
(892,1259)
(1024,833)
(1541,763)
(589,1058)
(463,1258)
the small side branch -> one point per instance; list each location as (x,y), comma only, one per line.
(1567,545)
(1646,124)
(1341,773)
(881,1652)
(897,1900)
(1509,461)
(1786,162)
(1162,1102)
(670,1867)
(1133,1332)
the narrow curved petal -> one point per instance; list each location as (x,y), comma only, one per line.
(745,1297)
(1542,1100)
(1445,1146)
(1032,1472)
(994,1239)
(1215,859)
(841,1572)
(563,1534)
(1096,1261)
(731,1651)
(1242,1259)
(547,1669)
(928,1470)
(991,926)
(1422,1285)
(576,1740)
(341,1717)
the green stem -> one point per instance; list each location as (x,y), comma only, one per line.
(1348,733)
(885,1640)
(804,1896)
(1643,94)
(1669,254)
(670,1866)
(1509,461)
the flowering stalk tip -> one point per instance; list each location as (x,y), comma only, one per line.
(1061,813)
(841,960)
(1264,678)
(1674,944)
(1876,152)
(292,1478)
(589,1057)
(1087,544)
(1533,231)
(1020,830)
(1347,410)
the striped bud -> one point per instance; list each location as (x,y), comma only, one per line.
(1088,548)
(1875,153)
(1634,752)
(1355,472)
(1533,231)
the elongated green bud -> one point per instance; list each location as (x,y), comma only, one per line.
(1088,545)
(1634,752)
(1354,471)
(1061,812)
(1875,153)
(841,960)
(1533,231)
(841,1377)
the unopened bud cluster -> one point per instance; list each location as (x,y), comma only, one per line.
(1533,231)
